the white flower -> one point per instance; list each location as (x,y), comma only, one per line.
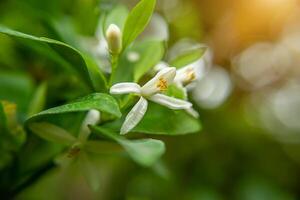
(150,91)
(184,77)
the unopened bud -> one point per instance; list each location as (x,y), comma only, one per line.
(114,39)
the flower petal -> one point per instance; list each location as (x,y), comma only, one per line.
(170,102)
(160,81)
(134,116)
(192,112)
(92,118)
(125,88)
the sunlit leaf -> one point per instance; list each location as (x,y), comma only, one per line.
(150,53)
(137,20)
(187,57)
(102,102)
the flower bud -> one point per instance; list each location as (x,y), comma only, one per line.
(114,39)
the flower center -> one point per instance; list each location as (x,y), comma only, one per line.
(190,75)
(162,84)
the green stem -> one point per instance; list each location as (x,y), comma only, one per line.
(114,64)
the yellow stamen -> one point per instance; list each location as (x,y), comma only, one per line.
(162,84)
(190,74)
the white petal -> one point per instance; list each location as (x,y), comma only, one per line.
(161,65)
(192,112)
(125,88)
(134,116)
(170,102)
(166,74)
(92,118)
(190,73)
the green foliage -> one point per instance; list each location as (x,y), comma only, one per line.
(64,96)
(98,101)
(137,20)
(187,57)
(167,122)
(52,133)
(38,101)
(150,53)
(116,16)
(145,151)
(85,66)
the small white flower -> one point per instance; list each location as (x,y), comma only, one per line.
(184,78)
(150,91)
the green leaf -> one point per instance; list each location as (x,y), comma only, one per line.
(177,92)
(16,88)
(151,52)
(137,20)
(89,170)
(160,120)
(145,152)
(116,16)
(102,102)
(167,122)
(38,100)
(86,68)
(187,57)
(52,133)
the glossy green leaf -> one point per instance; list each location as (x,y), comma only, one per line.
(187,57)
(38,100)
(85,66)
(143,151)
(160,120)
(150,53)
(137,20)
(102,102)
(167,122)
(52,133)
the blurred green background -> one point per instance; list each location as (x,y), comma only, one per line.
(249,146)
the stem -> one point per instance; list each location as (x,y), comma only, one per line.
(114,63)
